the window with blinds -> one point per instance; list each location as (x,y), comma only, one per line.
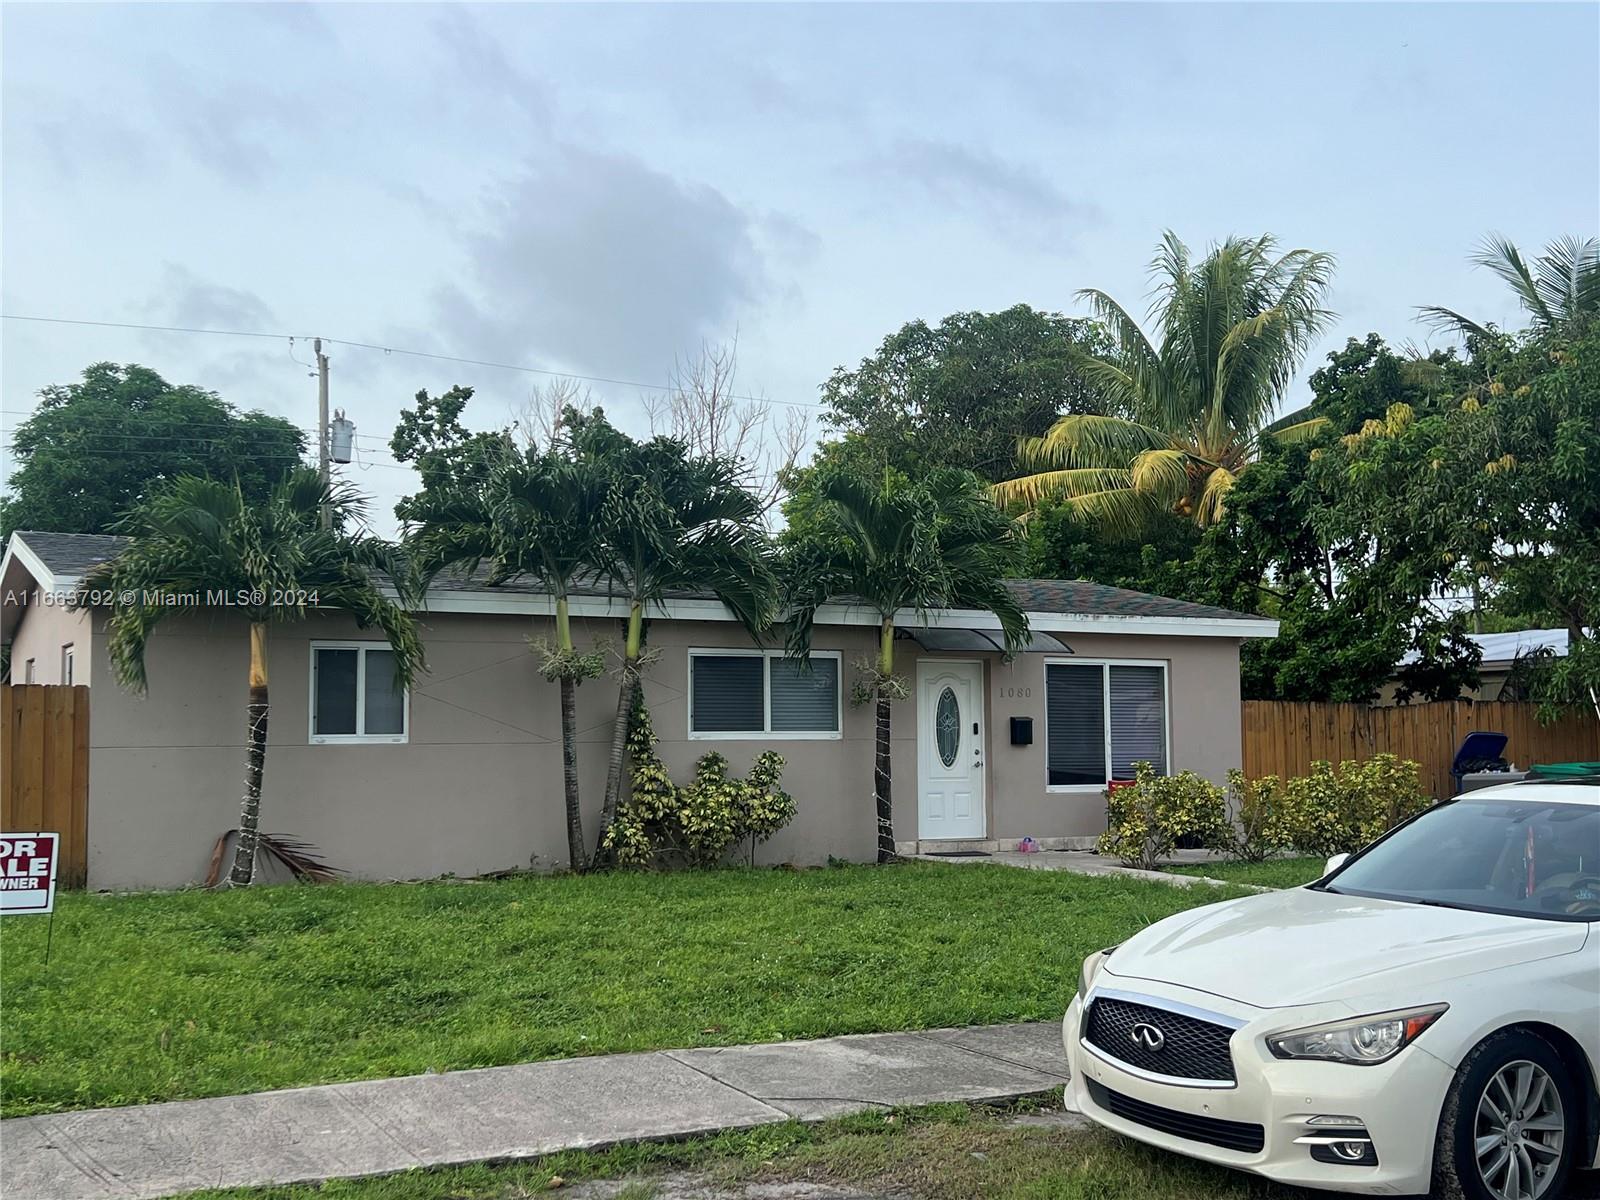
(1101,718)
(762,694)
(356,695)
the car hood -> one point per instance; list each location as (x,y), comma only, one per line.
(1302,946)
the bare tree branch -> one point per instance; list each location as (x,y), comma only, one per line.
(701,410)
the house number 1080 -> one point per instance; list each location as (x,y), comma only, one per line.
(1017,693)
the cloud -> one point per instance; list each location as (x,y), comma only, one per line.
(479,61)
(606,265)
(186,299)
(981,183)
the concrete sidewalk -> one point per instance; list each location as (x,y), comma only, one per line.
(385,1125)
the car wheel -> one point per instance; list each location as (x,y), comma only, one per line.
(1509,1126)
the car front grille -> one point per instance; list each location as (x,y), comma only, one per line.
(1230,1135)
(1190,1048)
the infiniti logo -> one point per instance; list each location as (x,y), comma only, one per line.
(1148,1036)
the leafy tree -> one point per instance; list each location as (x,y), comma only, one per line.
(535,515)
(449,457)
(1560,286)
(895,544)
(1525,443)
(957,394)
(95,447)
(1192,408)
(200,535)
(672,520)
(1325,536)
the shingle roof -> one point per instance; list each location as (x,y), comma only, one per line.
(72,554)
(1080,598)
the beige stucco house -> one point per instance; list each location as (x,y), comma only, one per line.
(462,773)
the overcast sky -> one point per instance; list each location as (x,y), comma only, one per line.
(600,189)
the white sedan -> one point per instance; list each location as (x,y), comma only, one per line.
(1423,1019)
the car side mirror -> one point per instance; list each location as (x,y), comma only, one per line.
(1334,863)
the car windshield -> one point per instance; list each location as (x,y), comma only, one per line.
(1522,857)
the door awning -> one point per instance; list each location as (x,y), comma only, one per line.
(982,640)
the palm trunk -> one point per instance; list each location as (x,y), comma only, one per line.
(882,788)
(881,784)
(244,853)
(577,854)
(619,732)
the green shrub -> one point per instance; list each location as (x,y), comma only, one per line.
(662,824)
(1339,810)
(1145,821)
(1257,827)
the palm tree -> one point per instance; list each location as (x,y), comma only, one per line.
(537,516)
(896,546)
(673,520)
(1188,413)
(1558,287)
(275,561)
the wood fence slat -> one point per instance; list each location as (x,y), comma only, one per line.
(44,769)
(1283,737)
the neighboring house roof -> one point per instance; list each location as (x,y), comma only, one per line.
(1500,650)
(56,561)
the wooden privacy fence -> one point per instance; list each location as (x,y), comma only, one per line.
(44,769)
(1284,737)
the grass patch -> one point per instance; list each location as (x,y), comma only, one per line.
(167,996)
(945,1152)
(1274,872)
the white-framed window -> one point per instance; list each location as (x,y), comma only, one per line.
(761,694)
(1101,717)
(66,664)
(28,671)
(355,695)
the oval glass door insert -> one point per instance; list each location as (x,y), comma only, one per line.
(947,727)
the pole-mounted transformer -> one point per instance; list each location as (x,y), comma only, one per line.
(341,437)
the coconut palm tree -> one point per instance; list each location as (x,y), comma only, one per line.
(275,562)
(536,515)
(673,520)
(1557,287)
(1189,409)
(898,546)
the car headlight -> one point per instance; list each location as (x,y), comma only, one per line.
(1364,1041)
(1091,968)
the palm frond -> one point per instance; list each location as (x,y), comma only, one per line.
(1085,440)
(1299,431)
(1032,490)
(1162,475)
(1208,509)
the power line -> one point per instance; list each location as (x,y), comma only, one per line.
(450,358)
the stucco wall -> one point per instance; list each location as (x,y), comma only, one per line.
(41,634)
(478,786)
(1203,714)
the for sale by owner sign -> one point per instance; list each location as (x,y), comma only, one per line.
(28,872)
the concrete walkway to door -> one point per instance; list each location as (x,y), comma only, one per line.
(1086,862)
(382,1126)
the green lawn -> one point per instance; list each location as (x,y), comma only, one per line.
(1274,872)
(176,995)
(945,1152)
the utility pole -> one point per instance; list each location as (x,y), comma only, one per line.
(322,424)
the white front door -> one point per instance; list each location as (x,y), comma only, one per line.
(949,749)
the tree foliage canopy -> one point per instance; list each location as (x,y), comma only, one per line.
(94,448)
(1184,413)
(958,393)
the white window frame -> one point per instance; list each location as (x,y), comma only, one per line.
(359,738)
(766,734)
(1105,665)
(67,658)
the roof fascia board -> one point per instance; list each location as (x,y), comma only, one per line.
(526,604)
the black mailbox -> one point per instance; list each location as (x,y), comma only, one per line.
(1022,731)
